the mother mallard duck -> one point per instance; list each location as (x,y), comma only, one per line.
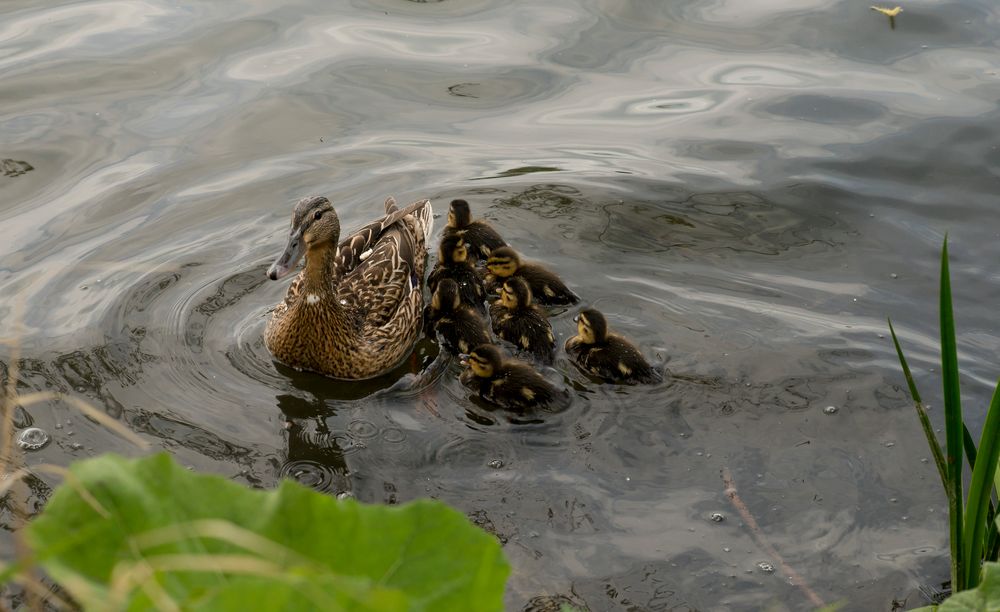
(355,309)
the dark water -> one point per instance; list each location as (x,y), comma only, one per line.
(747,189)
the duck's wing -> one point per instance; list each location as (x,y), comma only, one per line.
(385,282)
(360,245)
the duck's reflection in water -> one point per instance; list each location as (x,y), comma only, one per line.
(315,457)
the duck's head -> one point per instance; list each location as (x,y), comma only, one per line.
(503,262)
(591,326)
(458,214)
(515,293)
(446,296)
(484,360)
(453,250)
(315,226)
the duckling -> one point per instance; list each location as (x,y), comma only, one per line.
(453,262)
(546,287)
(458,326)
(517,320)
(605,355)
(482,238)
(508,383)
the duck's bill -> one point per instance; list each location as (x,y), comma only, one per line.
(286,262)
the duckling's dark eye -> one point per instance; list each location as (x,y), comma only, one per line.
(318,214)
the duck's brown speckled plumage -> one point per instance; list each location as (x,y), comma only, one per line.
(355,310)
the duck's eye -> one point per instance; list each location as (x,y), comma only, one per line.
(318,214)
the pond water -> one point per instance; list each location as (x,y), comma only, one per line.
(746,189)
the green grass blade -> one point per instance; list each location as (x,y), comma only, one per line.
(970,453)
(953,426)
(970,446)
(925,422)
(981,491)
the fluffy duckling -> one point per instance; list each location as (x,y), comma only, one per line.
(508,383)
(518,321)
(454,263)
(546,287)
(605,355)
(481,237)
(458,326)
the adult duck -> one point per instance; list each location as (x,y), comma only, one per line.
(355,309)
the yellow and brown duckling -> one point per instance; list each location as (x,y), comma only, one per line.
(519,321)
(546,287)
(454,263)
(482,238)
(355,310)
(605,355)
(509,383)
(458,327)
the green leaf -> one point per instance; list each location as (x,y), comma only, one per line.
(953,430)
(984,598)
(167,534)
(977,521)
(925,421)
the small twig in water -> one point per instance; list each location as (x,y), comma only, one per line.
(761,541)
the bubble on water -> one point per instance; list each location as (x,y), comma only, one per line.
(893,275)
(830,410)
(923,460)
(33,438)
(765,567)
(496,464)
(893,500)
(717,517)
(345,495)
(76,446)
(890,444)
(726,549)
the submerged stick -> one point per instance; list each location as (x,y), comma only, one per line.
(761,540)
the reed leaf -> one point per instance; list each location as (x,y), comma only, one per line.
(953,425)
(981,490)
(925,421)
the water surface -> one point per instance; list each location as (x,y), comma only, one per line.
(747,191)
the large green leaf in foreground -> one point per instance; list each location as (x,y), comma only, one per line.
(163,535)
(984,598)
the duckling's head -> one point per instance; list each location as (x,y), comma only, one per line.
(454,250)
(515,293)
(484,360)
(591,326)
(458,214)
(503,262)
(315,226)
(446,297)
